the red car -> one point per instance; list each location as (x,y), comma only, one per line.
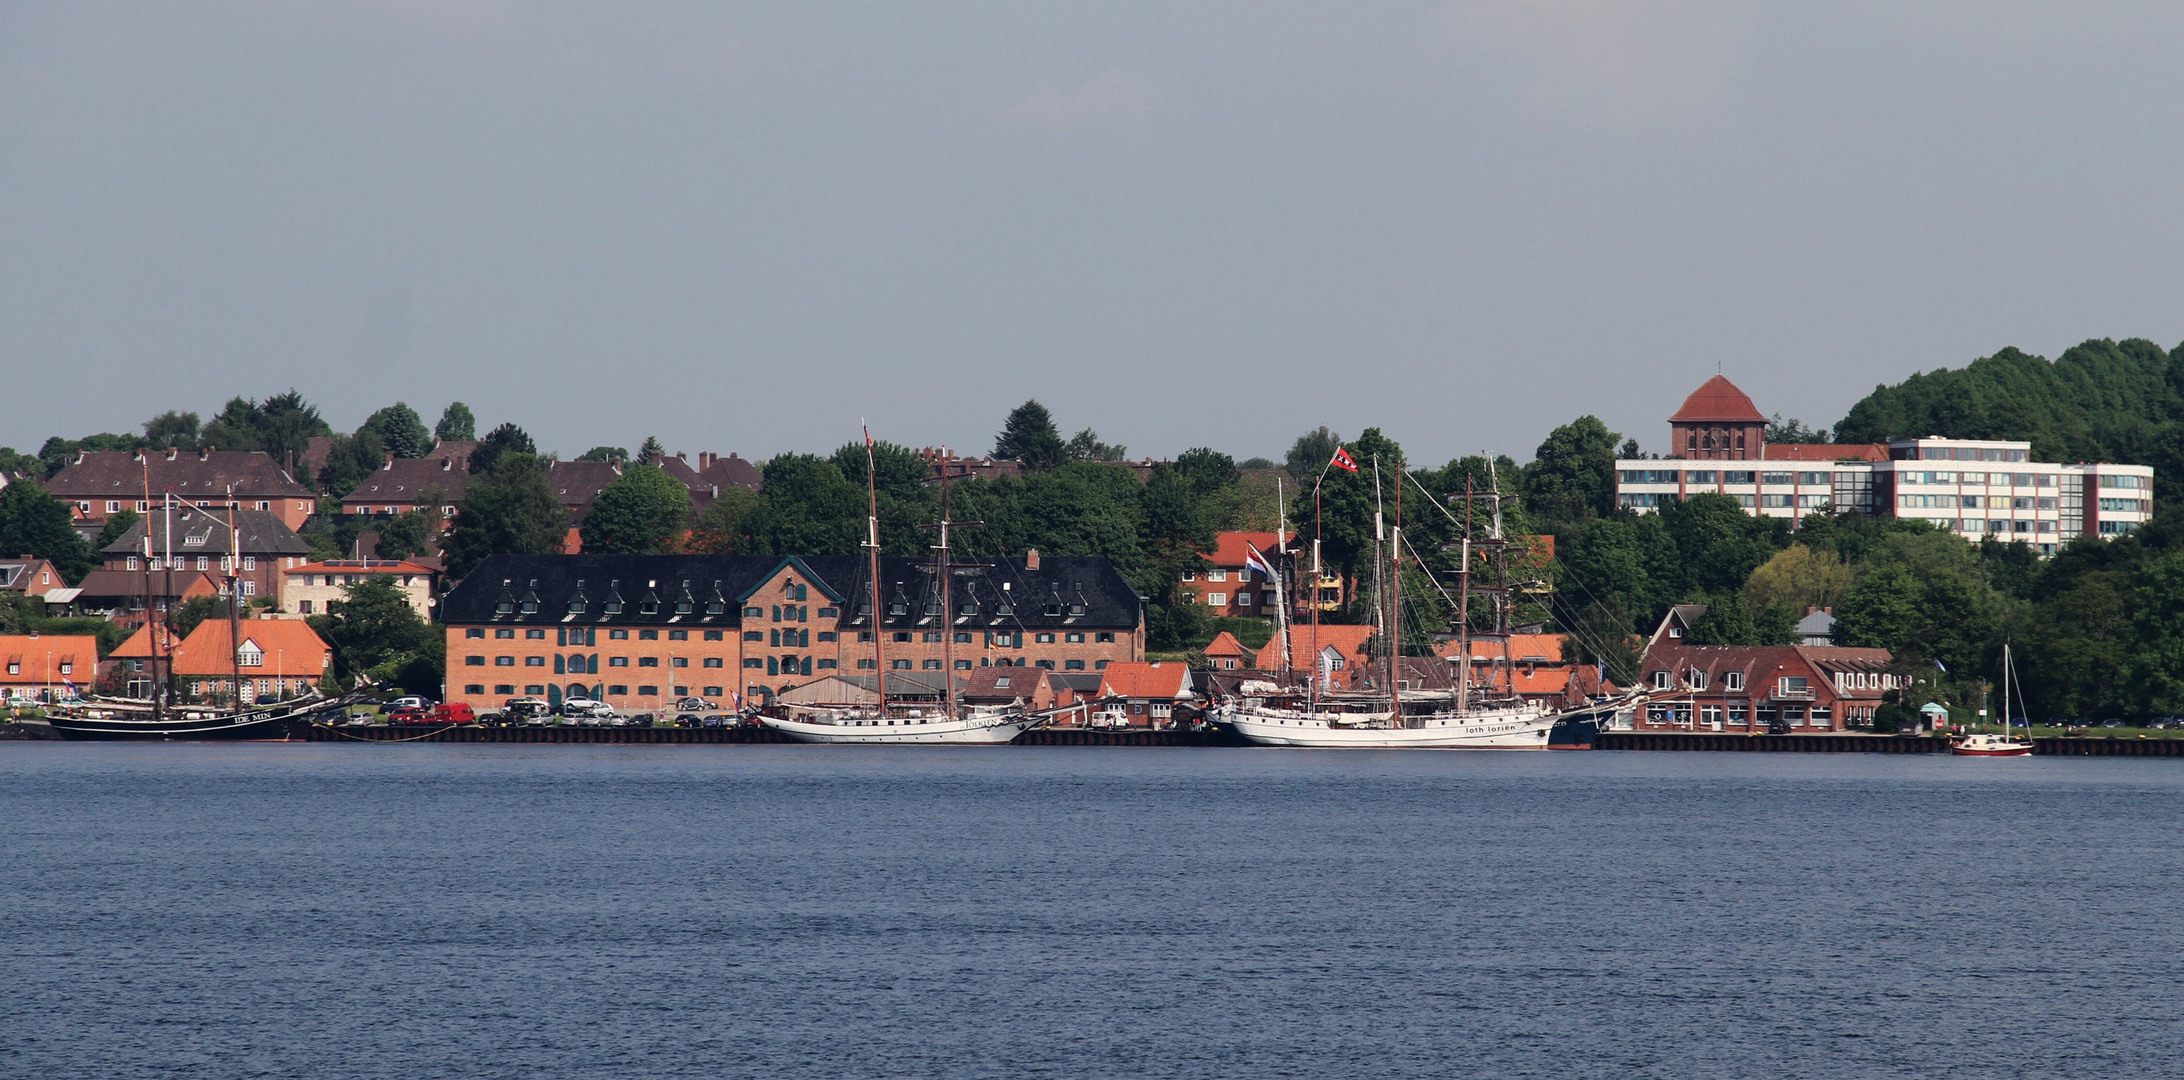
(408,714)
(454,712)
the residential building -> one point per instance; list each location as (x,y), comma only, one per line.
(1225,653)
(1145,694)
(265,543)
(1008,686)
(1750,689)
(1817,627)
(133,667)
(1536,670)
(1976,488)
(397,486)
(1225,587)
(120,595)
(277,659)
(100,483)
(639,631)
(1336,652)
(309,588)
(29,575)
(47,667)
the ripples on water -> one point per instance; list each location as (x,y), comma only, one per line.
(356,911)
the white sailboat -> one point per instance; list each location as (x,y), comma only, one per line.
(1507,724)
(1989,744)
(952,723)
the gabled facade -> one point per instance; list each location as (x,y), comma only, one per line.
(47,667)
(1336,651)
(1146,694)
(30,576)
(639,631)
(1749,689)
(265,543)
(276,659)
(399,486)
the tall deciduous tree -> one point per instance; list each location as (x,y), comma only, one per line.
(505,439)
(1801,578)
(643,512)
(175,429)
(1308,456)
(35,523)
(511,510)
(1029,436)
(811,508)
(349,459)
(1572,474)
(373,629)
(456,424)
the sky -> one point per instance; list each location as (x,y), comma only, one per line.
(753,227)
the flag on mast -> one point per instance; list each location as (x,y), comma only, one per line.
(1256,563)
(1342,460)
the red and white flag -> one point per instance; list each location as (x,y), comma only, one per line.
(1342,460)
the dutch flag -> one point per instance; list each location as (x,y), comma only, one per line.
(1256,563)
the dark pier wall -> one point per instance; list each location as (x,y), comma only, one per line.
(1868,744)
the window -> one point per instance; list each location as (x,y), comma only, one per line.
(900,665)
(648,635)
(1243,599)
(1815,478)
(1971,502)
(473,688)
(713,661)
(1100,666)
(1774,478)
(535,634)
(504,688)
(648,690)
(829,665)
(714,635)
(504,661)
(754,613)
(1191,575)
(753,662)
(648,661)
(1736,478)
(1697,678)
(865,664)
(618,661)
(1073,665)
(617,635)
(250,562)
(1733,680)
(1736,713)
(1104,637)
(828,635)
(754,635)
(504,632)
(1793,684)
(1043,639)
(474,632)
(710,691)
(830,613)
(1216,575)
(931,665)
(1047,664)
(204,562)
(472,661)
(534,661)
(1073,637)
(963,637)
(962,663)
(678,635)
(1660,680)
(1774,502)
(618,688)
(902,635)
(1217,599)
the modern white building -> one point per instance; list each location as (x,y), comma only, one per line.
(1975,488)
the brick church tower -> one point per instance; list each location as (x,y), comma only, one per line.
(1717,422)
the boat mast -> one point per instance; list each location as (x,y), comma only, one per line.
(1380,567)
(151,613)
(1463,610)
(166,540)
(1319,525)
(235,596)
(947,595)
(872,541)
(1395,605)
(1504,598)
(1281,567)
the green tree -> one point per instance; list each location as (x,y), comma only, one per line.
(1207,471)
(643,512)
(1799,578)
(725,527)
(604,453)
(409,534)
(456,424)
(1346,504)
(35,523)
(1309,455)
(1793,430)
(15,464)
(511,510)
(1601,634)
(810,508)
(1880,611)
(117,526)
(186,616)
(907,501)
(505,439)
(400,430)
(171,428)
(1572,474)
(349,459)
(2153,669)
(1086,446)
(374,630)
(58,452)
(651,452)
(1029,436)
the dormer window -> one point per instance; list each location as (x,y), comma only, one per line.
(1732,680)
(685,603)
(530,598)
(717,604)
(613,605)
(250,655)
(1697,678)
(577,603)
(1675,631)
(650,605)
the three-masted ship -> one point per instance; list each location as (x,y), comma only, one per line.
(1488,715)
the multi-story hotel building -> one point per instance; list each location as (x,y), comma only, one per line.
(640,631)
(1976,488)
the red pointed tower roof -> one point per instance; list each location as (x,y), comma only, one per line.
(1717,401)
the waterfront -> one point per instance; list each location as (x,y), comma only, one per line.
(344,910)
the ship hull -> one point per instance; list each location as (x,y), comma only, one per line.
(869,731)
(1511,730)
(146,729)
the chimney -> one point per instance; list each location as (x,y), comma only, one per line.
(288,463)
(682,457)
(172,452)
(1031,559)
(447,464)
(204,453)
(390,461)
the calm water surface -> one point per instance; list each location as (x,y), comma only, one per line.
(440,911)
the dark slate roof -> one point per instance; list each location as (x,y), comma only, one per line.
(577,483)
(199,533)
(193,474)
(400,479)
(1062,594)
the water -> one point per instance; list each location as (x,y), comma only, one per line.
(441,911)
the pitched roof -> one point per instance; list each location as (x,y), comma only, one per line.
(1062,594)
(1306,641)
(139,645)
(578,483)
(361,566)
(1717,401)
(1537,648)
(22,575)
(1139,679)
(402,479)
(1225,644)
(728,472)
(197,532)
(101,586)
(1228,547)
(290,646)
(203,474)
(32,651)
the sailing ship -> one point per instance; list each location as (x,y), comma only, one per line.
(158,717)
(954,721)
(1492,716)
(1989,744)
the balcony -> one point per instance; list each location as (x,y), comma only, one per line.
(1792,695)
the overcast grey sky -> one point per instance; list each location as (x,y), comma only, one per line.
(744,227)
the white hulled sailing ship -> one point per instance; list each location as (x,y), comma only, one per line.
(953,721)
(1990,744)
(1471,716)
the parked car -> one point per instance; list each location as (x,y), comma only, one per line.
(526,710)
(411,701)
(579,708)
(449,713)
(406,714)
(695,705)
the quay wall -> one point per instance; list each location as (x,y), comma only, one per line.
(387,733)
(1869,744)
